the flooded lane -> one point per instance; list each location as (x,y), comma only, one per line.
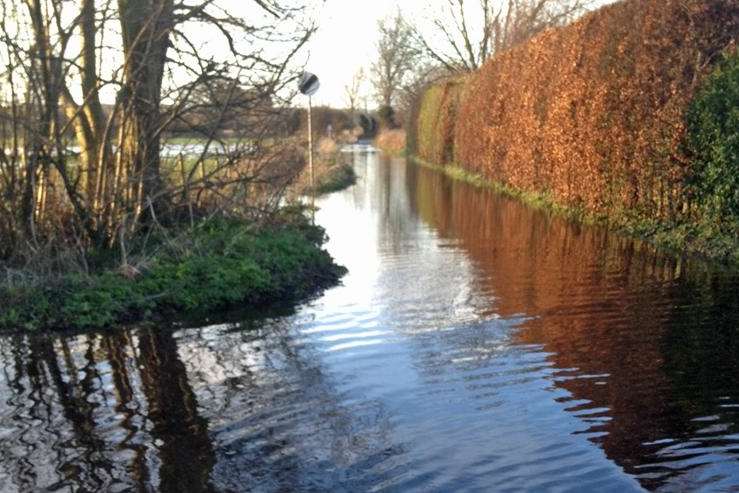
(475,345)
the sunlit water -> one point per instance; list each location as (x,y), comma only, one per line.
(475,345)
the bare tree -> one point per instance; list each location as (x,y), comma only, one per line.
(424,74)
(76,171)
(353,90)
(396,57)
(462,34)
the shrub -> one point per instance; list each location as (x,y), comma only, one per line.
(592,113)
(334,178)
(436,121)
(713,141)
(391,141)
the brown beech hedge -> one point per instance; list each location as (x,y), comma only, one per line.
(593,114)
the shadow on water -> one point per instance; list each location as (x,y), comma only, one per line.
(474,343)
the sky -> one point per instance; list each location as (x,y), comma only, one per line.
(345,41)
(347,36)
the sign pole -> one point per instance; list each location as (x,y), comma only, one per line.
(308,85)
(310,160)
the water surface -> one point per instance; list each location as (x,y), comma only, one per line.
(475,345)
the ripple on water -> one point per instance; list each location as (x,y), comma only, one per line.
(475,345)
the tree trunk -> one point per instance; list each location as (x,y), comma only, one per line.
(43,90)
(146,26)
(97,151)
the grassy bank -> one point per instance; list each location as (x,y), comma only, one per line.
(701,239)
(217,265)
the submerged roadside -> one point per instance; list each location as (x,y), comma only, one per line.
(332,174)
(695,238)
(201,269)
(192,272)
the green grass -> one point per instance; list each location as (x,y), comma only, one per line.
(217,266)
(683,237)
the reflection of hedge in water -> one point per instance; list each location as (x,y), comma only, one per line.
(593,114)
(654,324)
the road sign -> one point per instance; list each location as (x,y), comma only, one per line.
(309,84)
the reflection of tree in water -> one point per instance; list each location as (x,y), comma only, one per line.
(645,344)
(428,284)
(128,405)
(74,414)
(396,221)
(702,363)
(49,406)
(380,189)
(133,410)
(179,432)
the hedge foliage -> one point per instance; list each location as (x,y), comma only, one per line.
(615,115)
(436,121)
(713,141)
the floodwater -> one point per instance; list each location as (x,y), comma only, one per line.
(475,345)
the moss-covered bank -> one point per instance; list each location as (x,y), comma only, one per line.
(215,266)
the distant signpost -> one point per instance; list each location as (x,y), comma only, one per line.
(308,85)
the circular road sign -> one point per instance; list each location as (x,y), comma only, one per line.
(309,84)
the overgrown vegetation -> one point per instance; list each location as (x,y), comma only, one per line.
(217,265)
(102,219)
(83,162)
(435,120)
(331,174)
(633,133)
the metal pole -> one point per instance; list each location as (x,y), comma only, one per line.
(310,160)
